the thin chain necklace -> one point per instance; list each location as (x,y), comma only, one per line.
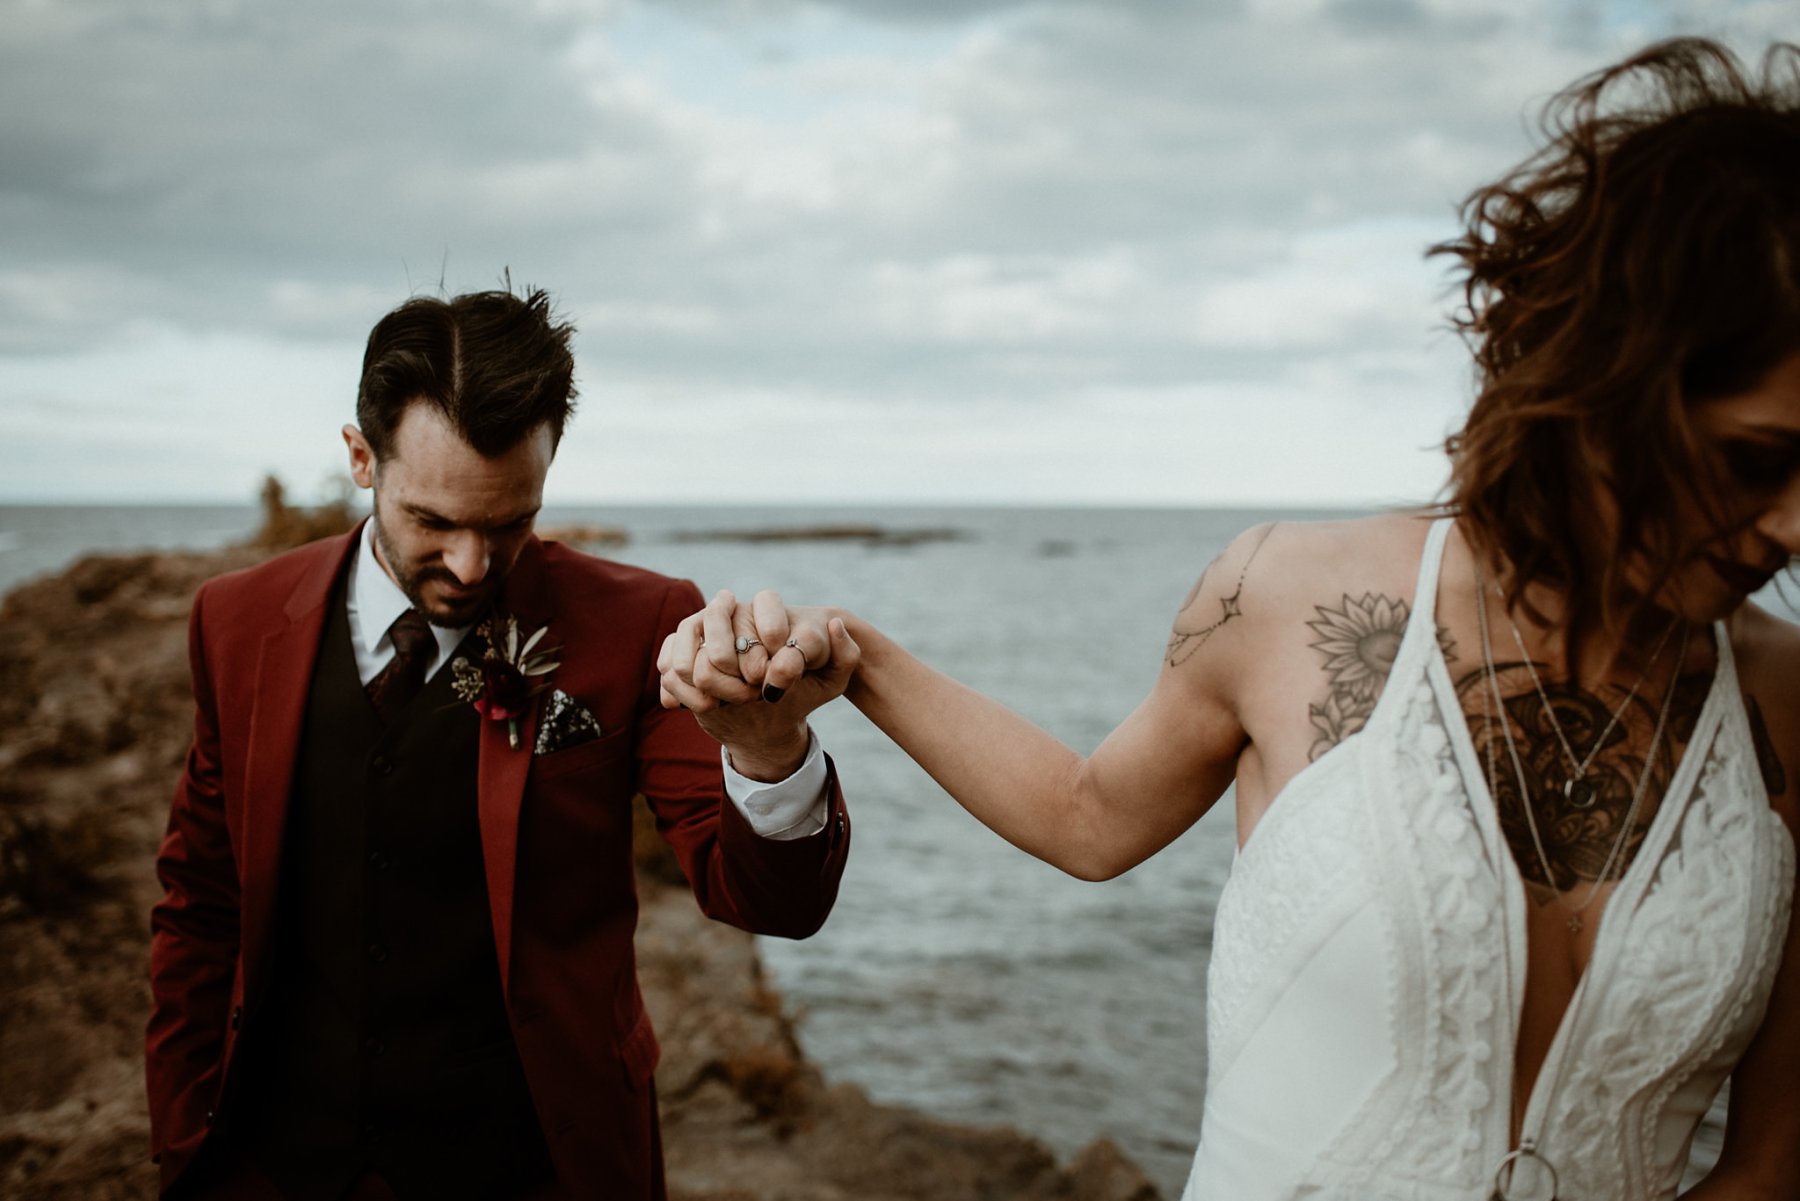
(1576,789)
(1506,1174)
(1525,798)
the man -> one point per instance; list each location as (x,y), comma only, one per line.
(394,958)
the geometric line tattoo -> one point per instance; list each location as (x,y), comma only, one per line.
(1184,644)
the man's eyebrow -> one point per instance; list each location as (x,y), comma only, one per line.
(427,514)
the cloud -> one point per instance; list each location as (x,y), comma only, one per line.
(163,414)
(196,149)
(890,208)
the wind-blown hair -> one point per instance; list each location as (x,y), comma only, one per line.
(1647,257)
(495,364)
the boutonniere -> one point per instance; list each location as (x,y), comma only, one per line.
(503,683)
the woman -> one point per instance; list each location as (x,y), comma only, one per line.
(1513,800)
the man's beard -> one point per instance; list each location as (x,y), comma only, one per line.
(412,584)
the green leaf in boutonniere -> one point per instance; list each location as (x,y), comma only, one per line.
(503,683)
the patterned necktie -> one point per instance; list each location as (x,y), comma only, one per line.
(395,685)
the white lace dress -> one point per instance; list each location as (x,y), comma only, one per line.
(1368,967)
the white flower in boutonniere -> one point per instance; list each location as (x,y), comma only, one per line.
(508,677)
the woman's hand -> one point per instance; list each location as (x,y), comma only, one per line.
(756,700)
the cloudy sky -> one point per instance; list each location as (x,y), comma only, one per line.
(1014,251)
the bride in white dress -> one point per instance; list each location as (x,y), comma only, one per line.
(1514,786)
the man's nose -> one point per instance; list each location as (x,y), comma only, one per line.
(467,557)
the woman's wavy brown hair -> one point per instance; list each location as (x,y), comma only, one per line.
(1646,258)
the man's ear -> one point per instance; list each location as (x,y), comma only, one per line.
(362,457)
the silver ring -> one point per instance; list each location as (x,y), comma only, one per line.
(744,643)
(1527,1149)
(796,645)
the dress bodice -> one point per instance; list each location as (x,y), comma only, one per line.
(1368,967)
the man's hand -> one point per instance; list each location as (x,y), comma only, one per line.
(756,700)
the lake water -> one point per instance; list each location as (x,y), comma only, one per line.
(957,974)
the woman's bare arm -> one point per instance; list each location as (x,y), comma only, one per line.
(1095,816)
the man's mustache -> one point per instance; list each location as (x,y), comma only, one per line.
(445,576)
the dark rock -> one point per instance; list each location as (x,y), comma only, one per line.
(868,535)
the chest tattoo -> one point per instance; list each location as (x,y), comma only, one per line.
(1580,819)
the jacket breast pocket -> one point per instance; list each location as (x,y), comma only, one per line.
(607,755)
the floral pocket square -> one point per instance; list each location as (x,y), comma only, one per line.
(565,724)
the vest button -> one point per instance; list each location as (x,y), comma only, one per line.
(378,860)
(377,953)
(237,1016)
(383,765)
(374,1046)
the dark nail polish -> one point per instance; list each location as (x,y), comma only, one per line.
(772,693)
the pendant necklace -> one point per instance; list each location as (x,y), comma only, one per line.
(1574,919)
(1576,789)
(1525,1172)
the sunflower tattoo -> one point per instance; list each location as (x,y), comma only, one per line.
(1359,639)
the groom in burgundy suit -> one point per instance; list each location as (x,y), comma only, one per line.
(394,954)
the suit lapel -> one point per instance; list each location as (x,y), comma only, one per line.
(278,707)
(504,769)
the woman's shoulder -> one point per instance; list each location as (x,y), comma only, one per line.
(1300,621)
(1304,560)
(1766,648)
(1263,602)
(1755,630)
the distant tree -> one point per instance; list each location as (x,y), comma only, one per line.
(285,525)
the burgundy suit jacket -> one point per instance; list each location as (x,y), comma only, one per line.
(556,837)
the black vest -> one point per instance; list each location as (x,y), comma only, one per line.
(385,1045)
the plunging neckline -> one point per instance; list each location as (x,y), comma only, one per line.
(1368,963)
(1487,818)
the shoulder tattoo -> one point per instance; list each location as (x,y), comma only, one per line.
(1186,640)
(1359,639)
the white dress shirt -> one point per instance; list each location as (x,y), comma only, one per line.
(785,809)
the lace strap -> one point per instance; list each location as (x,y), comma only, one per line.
(1726,671)
(1421,626)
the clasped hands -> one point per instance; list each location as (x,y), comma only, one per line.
(756,700)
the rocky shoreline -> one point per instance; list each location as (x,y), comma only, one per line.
(95,716)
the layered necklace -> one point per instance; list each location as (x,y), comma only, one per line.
(1525,1171)
(1576,789)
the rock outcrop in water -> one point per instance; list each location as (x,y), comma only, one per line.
(95,715)
(862,534)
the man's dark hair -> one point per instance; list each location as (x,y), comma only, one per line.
(495,364)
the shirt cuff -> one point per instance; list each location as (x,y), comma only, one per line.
(786,809)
